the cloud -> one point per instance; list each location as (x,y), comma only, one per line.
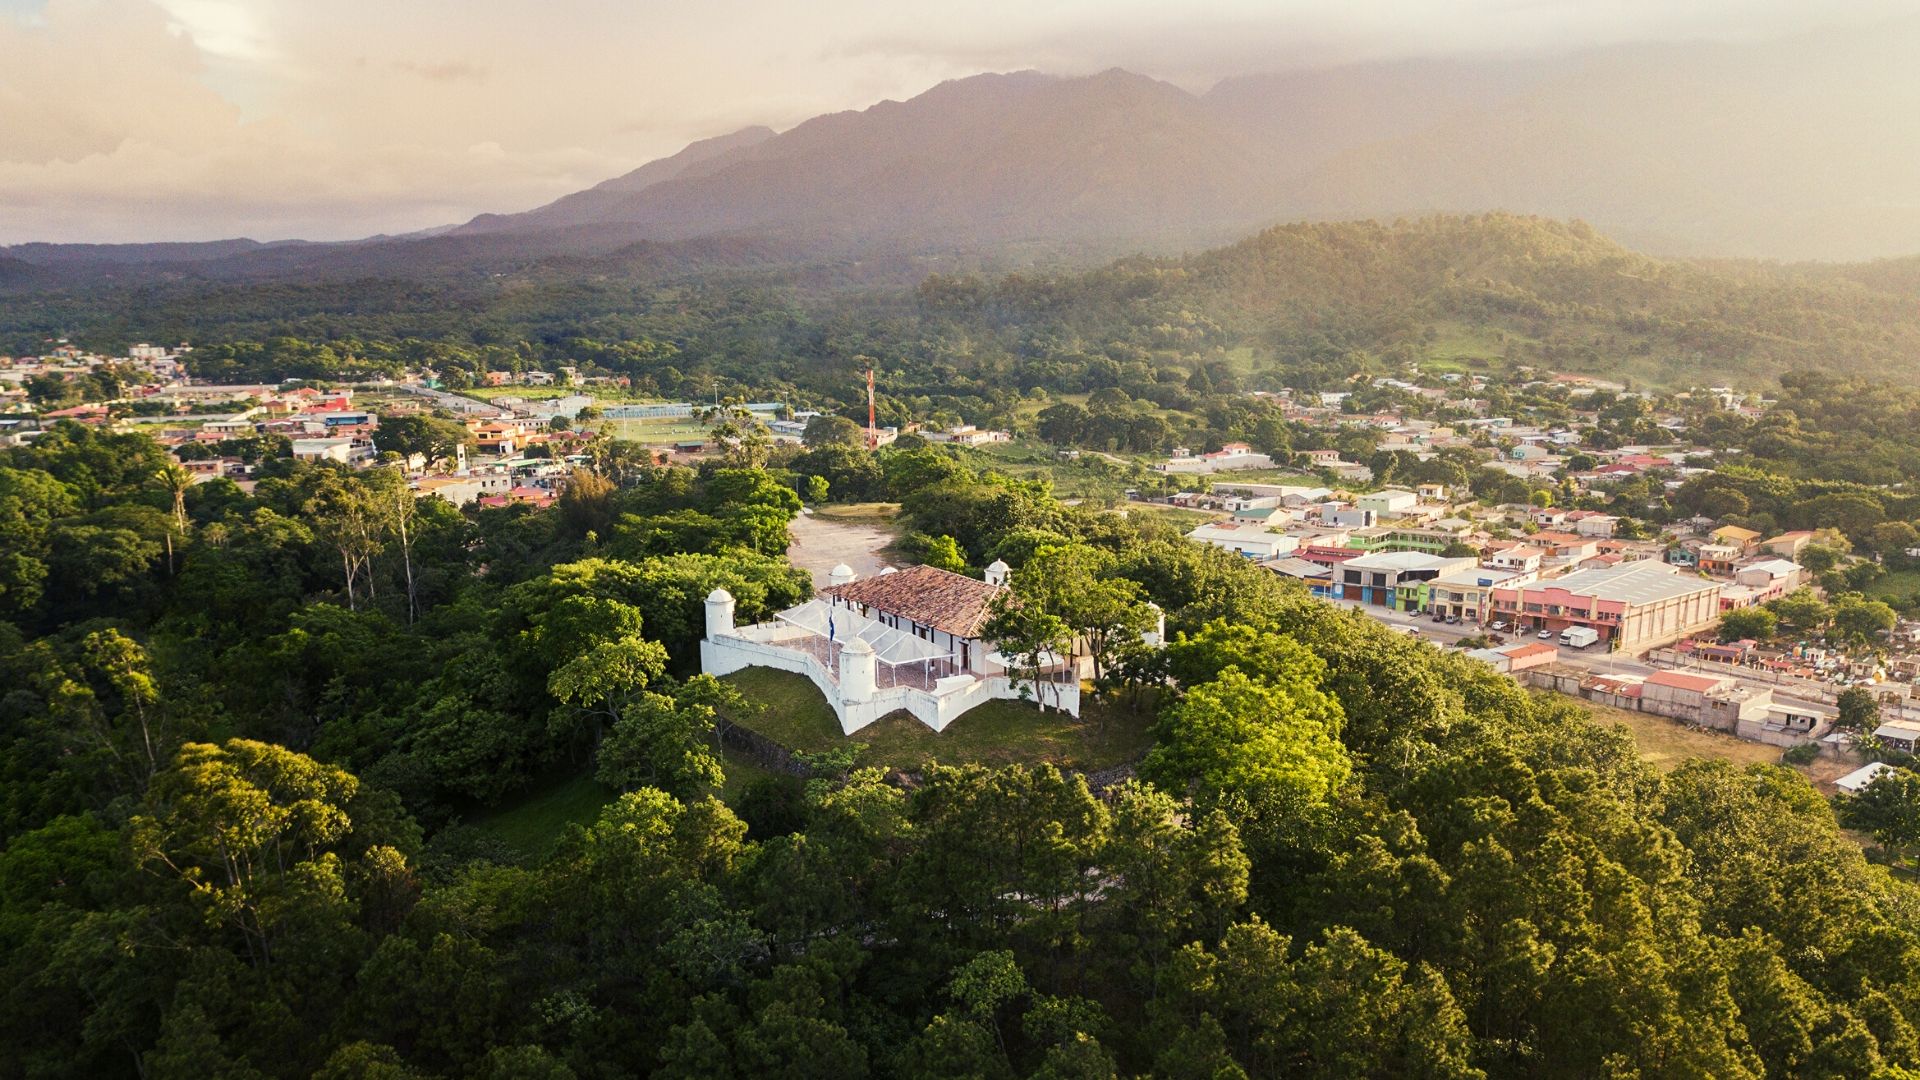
(148,146)
(195,119)
(445,71)
(1196,46)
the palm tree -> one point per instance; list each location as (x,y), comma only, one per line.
(175,478)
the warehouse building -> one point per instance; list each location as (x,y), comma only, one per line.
(1634,606)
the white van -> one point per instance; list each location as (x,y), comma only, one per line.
(1579,637)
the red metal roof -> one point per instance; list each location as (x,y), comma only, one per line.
(1697,683)
(1531,648)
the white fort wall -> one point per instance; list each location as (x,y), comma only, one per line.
(851,691)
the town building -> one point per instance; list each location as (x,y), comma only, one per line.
(967,435)
(1434,540)
(340,450)
(461,490)
(1259,516)
(1231,457)
(1901,735)
(1525,559)
(1591,523)
(1565,546)
(1718,701)
(1392,579)
(1387,503)
(1634,606)
(1521,656)
(1350,517)
(1252,541)
(1773,577)
(1717,559)
(521,495)
(1856,781)
(1469,593)
(1318,578)
(1788,545)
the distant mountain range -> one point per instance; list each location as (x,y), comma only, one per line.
(1795,149)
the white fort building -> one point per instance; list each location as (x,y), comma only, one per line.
(901,640)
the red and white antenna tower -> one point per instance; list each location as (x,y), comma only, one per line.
(873,433)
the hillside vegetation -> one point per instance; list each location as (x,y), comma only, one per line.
(284,768)
(1312,303)
(1548,292)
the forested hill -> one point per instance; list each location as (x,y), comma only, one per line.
(1313,302)
(259,749)
(1488,287)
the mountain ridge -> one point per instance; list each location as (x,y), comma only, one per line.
(1759,149)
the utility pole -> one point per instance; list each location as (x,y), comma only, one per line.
(873,433)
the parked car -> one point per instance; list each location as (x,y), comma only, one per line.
(1454,620)
(1439,616)
(1499,624)
(1545,635)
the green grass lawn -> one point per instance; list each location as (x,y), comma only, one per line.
(656,432)
(612,395)
(1178,517)
(1897,585)
(529,393)
(740,773)
(534,824)
(878,514)
(1089,477)
(794,714)
(1265,476)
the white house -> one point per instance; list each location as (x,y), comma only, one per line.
(1598,525)
(1253,541)
(1857,780)
(340,450)
(1350,517)
(1782,574)
(1389,502)
(1524,559)
(967,435)
(902,640)
(1229,458)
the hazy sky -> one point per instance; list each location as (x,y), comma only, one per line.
(327,119)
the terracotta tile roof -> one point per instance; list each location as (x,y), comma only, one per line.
(927,595)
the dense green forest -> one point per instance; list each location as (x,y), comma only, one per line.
(1315,302)
(242,734)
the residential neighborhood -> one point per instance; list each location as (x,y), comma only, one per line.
(1556,590)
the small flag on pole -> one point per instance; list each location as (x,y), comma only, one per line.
(829,627)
